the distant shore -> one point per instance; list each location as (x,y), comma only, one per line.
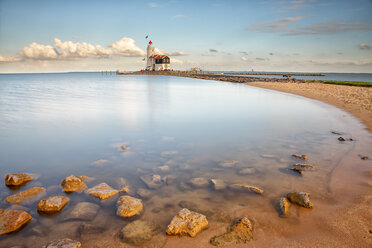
(355,99)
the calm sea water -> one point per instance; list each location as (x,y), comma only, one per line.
(358,77)
(59,124)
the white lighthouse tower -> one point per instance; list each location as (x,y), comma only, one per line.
(156,62)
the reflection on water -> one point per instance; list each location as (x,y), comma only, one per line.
(59,124)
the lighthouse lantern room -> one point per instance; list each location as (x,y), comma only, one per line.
(156,62)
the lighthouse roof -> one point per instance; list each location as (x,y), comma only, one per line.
(157,56)
(150,42)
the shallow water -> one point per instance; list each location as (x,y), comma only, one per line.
(59,124)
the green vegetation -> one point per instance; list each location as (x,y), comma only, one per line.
(351,83)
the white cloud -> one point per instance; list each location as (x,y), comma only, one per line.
(37,51)
(127,47)
(178,16)
(177,53)
(176,61)
(9,59)
(243,58)
(69,49)
(153,5)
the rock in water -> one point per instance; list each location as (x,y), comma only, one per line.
(297,170)
(239,186)
(102,191)
(305,166)
(129,206)
(228,163)
(284,207)
(187,222)
(63,243)
(247,171)
(139,232)
(341,139)
(83,211)
(218,184)
(73,183)
(152,181)
(199,182)
(300,198)
(24,195)
(52,204)
(18,179)
(239,232)
(144,193)
(124,147)
(302,157)
(12,220)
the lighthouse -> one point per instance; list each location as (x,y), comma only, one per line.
(156,62)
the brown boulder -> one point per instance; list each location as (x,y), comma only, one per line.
(63,243)
(139,232)
(12,220)
(102,191)
(239,232)
(187,222)
(52,204)
(300,198)
(73,183)
(83,211)
(245,187)
(129,206)
(24,195)
(18,179)
(284,206)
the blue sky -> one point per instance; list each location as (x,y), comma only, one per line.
(287,35)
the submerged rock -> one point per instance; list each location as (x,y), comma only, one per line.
(239,186)
(302,157)
(63,243)
(24,195)
(364,157)
(102,191)
(189,205)
(297,170)
(305,166)
(152,181)
(123,147)
(139,232)
(18,179)
(284,207)
(247,171)
(300,198)
(228,163)
(12,220)
(129,206)
(341,139)
(269,156)
(187,222)
(240,232)
(199,182)
(52,204)
(162,168)
(218,184)
(144,193)
(83,211)
(73,183)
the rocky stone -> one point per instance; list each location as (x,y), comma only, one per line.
(139,232)
(300,198)
(341,139)
(245,187)
(302,157)
(123,147)
(18,179)
(102,191)
(364,157)
(247,171)
(83,211)
(73,183)
(144,193)
(129,206)
(162,168)
(199,182)
(297,170)
(284,207)
(305,166)
(218,184)
(88,228)
(152,181)
(240,232)
(169,179)
(63,243)
(268,156)
(228,163)
(52,204)
(12,220)
(187,222)
(24,195)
